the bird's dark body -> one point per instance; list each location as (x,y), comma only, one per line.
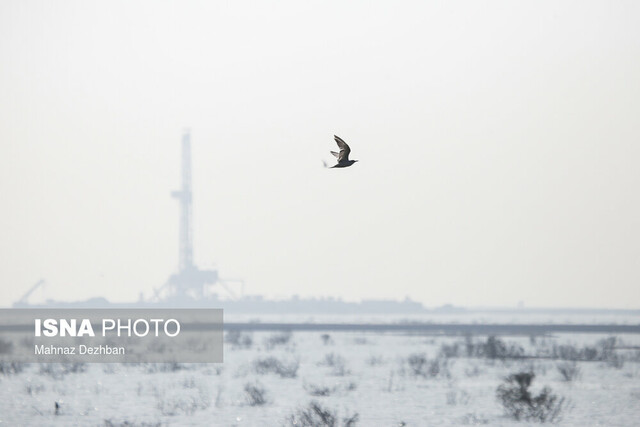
(344,164)
(343,155)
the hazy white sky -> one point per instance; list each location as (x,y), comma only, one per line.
(498,142)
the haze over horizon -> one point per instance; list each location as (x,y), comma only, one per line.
(498,146)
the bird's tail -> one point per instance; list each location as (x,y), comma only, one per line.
(324,164)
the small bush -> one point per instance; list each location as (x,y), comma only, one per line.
(473,419)
(375,360)
(603,351)
(493,348)
(275,340)
(351,386)
(175,401)
(239,339)
(326,339)
(469,345)
(419,365)
(112,423)
(11,368)
(255,394)
(608,352)
(571,352)
(318,390)
(450,350)
(607,347)
(152,368)
(455,397)
(337,363)
(569,371)
(273,365)
(33,388)
(615,361)
(315,415)
(331,359)
(350,421)
(109,368)
(520,404)
(59,370)
(472,371)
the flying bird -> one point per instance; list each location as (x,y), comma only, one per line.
(343,155)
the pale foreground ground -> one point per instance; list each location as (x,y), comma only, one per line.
(372,375)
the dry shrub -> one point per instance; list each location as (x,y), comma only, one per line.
(520,404)
(315,415)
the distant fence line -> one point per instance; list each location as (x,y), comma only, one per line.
(438,328)
(413,328)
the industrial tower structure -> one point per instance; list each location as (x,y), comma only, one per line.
(189,283)
(185,196)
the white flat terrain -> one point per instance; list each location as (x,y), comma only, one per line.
(368,374)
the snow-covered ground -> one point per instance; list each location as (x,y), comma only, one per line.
(387,379)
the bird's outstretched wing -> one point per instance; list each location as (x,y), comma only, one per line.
(336,154)
(344,149)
